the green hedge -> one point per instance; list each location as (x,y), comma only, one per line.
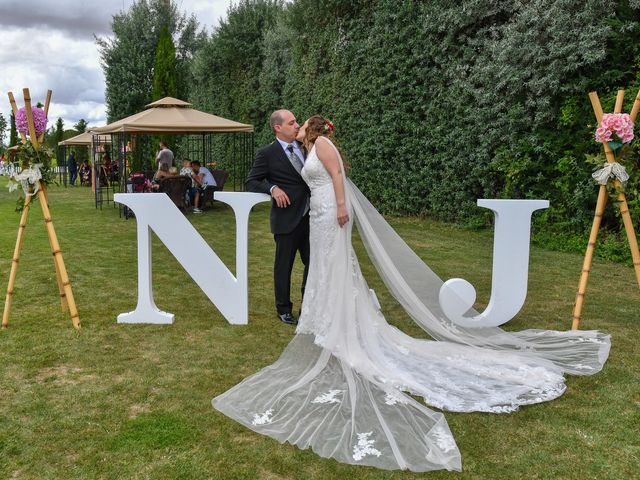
(437,103)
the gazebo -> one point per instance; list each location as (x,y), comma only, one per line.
(194,136)
(76,144)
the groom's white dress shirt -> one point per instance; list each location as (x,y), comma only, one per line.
(296,150)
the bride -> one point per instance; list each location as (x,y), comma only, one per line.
(340,387)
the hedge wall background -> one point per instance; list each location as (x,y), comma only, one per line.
(438,104)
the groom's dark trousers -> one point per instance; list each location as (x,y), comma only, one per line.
(289,225)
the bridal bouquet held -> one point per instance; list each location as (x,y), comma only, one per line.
(33,164)
(615,132)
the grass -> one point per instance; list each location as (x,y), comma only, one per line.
(116,401)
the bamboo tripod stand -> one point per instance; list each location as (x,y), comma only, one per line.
(600,205)
(67,302)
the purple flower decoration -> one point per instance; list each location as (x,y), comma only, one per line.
(39,120)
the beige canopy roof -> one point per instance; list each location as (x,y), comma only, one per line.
(85,138)
(173,116)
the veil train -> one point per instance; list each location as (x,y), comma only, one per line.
(338,387)
(415,286)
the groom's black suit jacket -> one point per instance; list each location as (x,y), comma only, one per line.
(272,167)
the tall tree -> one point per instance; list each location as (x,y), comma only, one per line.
(227,69)
(13,133)
(3,131)
(128,56)
(164,71)
(59,132)
(81,126)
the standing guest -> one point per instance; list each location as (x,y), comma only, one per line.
(108,164)
(202,178)
(164,155)
(72,166)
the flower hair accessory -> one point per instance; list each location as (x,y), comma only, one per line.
(329,126)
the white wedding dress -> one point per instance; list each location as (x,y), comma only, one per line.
(339,386)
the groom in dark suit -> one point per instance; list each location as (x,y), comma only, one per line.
(276,171)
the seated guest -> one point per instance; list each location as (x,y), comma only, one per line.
(202,178)
(173,171)
(163,172)
(85,173)
(114,171)
(186,169)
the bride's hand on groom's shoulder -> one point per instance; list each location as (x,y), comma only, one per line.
(281,198)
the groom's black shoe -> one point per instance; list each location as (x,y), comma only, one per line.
(287,318)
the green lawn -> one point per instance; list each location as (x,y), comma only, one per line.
(117,401)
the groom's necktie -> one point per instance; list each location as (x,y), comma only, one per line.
(296,161)
(297,164)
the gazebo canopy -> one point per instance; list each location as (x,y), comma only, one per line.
(85,139)
(173,116)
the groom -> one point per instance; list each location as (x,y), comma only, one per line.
(276,171)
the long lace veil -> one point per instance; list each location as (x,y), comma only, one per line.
(415,286)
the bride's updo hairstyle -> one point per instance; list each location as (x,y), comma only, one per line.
(316,127)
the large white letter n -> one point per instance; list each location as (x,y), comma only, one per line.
(158,213)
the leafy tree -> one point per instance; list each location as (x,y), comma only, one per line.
(164,71)
(59,131)
(13,132)
(128,57)
(3,131)
(69,133)
(55,134)
(227,69)
(81,126)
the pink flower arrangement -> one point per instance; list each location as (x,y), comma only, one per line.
(39,120)
(619,124)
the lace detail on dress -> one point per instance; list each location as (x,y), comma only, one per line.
(327,243)
(364,447)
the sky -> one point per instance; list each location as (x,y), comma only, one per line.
(50,45)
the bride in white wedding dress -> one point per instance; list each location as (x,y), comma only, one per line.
(339,386)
